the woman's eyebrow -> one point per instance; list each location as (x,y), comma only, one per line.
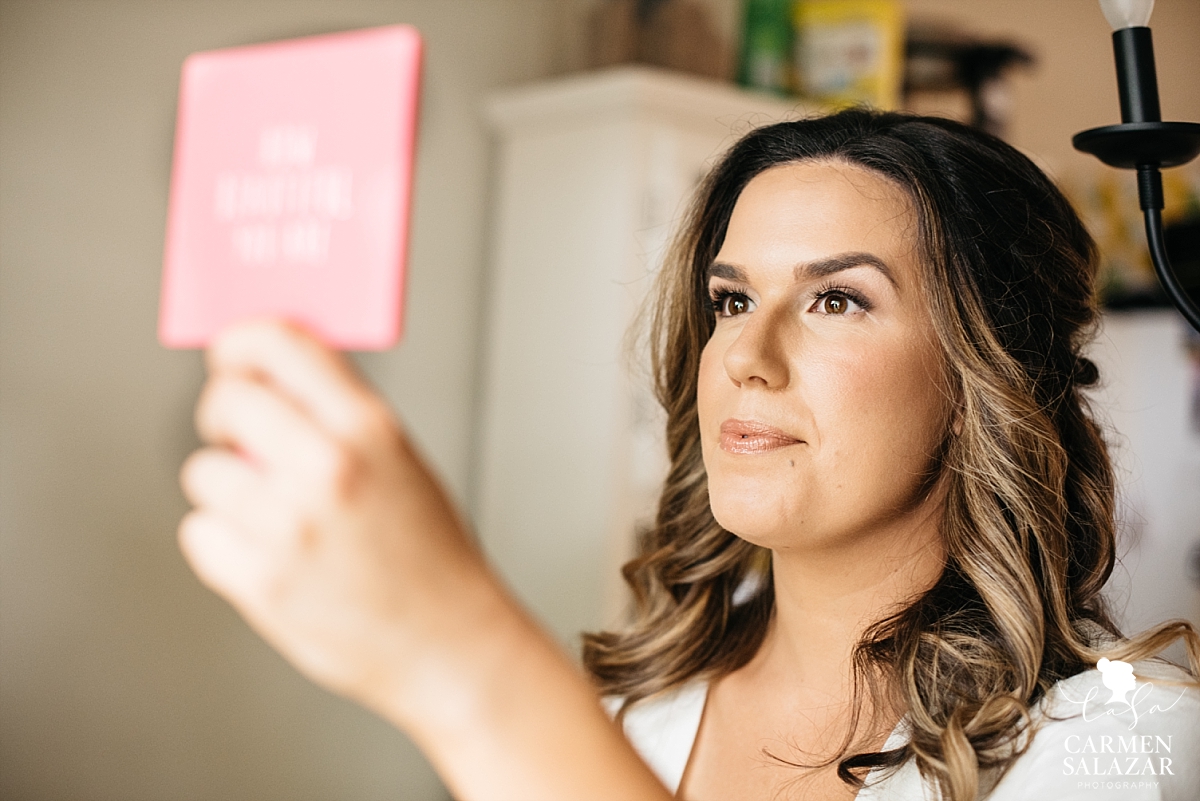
(842,261)
(810,269)
(727,271)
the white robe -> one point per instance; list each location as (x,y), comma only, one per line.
(1085,748)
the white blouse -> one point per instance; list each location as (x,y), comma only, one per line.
(1089,746)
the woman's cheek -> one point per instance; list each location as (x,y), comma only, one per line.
(901,416)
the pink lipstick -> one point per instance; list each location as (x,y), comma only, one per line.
(751,436)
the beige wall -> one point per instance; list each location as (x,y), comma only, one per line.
(1073,85)
(120,677)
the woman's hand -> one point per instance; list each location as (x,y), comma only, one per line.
(318,522)
(315,518)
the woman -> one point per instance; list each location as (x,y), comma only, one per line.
(878,555)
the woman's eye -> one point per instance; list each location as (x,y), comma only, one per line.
(835,303)
(728,304)
(735,304)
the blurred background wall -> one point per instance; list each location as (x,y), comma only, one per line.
(120,677)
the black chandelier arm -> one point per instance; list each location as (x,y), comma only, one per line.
(1150,198)
(1144,142)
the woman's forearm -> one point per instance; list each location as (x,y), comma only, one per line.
(510,717)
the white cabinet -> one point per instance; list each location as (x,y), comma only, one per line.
(592,172)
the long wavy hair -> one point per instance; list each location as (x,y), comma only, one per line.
(1028,521)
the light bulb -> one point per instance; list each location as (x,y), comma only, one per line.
(1127,13)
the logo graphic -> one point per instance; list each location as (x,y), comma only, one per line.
(1118,677)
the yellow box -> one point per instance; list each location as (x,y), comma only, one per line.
(850,51)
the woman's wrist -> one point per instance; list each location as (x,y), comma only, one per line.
(451,656)
(503,713)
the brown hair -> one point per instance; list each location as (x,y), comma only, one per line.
(1028,522)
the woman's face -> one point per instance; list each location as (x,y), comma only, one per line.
(820,396)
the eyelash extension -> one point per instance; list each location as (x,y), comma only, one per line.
(835,289)
(717,296)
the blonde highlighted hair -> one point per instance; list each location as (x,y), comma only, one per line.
(1028,522)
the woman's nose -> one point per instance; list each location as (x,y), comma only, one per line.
(759,354)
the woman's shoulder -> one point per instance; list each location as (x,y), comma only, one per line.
(662,728)
(1120,731)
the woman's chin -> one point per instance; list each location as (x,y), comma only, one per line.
(765,522)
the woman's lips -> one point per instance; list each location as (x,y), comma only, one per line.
(751,436)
